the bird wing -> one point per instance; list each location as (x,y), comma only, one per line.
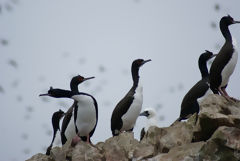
(66,121)
(96,108)
(142,134)
(219,63)
(120,109)
(190,99)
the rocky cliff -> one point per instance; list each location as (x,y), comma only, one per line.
(215,137)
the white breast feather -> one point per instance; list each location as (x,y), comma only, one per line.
(130,117)
(86,114)
(57,140)
(151,122)
(229,68)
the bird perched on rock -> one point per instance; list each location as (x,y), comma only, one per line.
(128,109)
(151,115)
(190,104)
(56,117)
(68,126)
(82,116)
(225,61)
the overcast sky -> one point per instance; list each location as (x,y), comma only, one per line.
(44,43)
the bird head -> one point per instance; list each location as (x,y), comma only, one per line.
(228,20)
(57,93)
(79,79)
(149,112)
(139,62)
(207,55)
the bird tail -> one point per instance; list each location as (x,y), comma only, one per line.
(177,120)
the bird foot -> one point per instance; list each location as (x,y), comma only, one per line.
(88,140)
(234,99)
(230,99)
(75,140)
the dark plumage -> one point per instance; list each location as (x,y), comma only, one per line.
(127,110)
(66,123)
(71,132)
(56,117)
(225,61)
(190,104)
(70,125)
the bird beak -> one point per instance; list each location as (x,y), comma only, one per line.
(44,95)
(145,61)
(213,55)
(88,78)
(236,21)
(143,113)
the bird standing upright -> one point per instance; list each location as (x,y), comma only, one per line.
(127,110)
(68,130)
(82,116)
(225,61)
(190,104)
(56,117)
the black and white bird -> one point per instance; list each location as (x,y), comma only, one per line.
(85,112)
(152,120)
(56,117)
(190,104)
(68,130)
(225,61)
(125,114)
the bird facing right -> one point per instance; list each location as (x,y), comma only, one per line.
(190,103)
(225,61)
(125,114)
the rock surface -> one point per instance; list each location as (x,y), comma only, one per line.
(215,137)
(215,111)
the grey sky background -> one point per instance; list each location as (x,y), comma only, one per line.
(44,43)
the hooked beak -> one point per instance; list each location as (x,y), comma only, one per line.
(145,61)
(88,78)
(46,94)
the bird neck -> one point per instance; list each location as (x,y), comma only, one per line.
(225,31)
(74,87)
(151,122)
(135,76)
(203,69)
(61,93)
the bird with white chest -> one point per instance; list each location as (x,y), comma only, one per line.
(82,117)
(68,130)
(225,61)
(125,114)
